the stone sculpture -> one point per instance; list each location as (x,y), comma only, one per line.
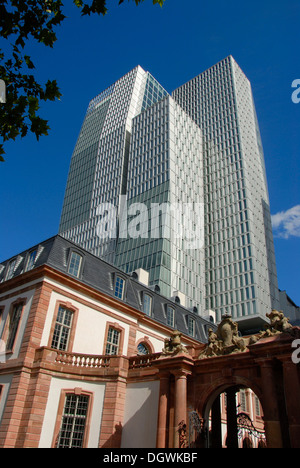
(278,323)
(173,344)
(226,339)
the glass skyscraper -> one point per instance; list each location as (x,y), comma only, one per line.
(140,147)
(240,270)
(99,164)
(165,172)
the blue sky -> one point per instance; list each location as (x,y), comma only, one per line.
(174,43)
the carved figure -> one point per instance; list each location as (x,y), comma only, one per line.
(278,322)
(226,340)
(173,344)
(213,343)
(182,435)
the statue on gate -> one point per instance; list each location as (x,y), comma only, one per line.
(173,344)
(226,339)
(278,323)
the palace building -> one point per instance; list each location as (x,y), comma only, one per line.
(89,353)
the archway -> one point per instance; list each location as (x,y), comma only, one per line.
(202,374)
(235,418)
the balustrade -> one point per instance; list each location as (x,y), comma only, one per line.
(82,360)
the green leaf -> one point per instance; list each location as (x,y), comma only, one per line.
(28,62)
(39,126)
(52,91)
(33,105)
(22,21)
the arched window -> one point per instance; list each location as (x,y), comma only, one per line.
(144,346)
(170,316)
(11,269)
(142,349)
(30,260)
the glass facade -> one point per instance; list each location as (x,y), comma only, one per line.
(98,169)
(240,271)
(141,150)
(164,170)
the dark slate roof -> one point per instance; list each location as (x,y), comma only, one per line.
(95,272)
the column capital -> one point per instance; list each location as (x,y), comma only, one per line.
(175,364)
(181,373)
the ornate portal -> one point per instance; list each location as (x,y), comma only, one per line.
(226,339)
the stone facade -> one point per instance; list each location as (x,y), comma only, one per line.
(124,368)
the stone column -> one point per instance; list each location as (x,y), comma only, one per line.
(180,403)
(292,392)
(163,411)
(270,405)
(232,437)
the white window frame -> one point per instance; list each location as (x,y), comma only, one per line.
(75,267)
(119,287)
(147,304)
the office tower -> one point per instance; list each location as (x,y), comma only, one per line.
(165,173)
(138,147)
(98,169)
(240,271)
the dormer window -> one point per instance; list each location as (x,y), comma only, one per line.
(191,326)
(119,287)
(30,260)
(147,304)
(170,316)
(75,264)
(11,269)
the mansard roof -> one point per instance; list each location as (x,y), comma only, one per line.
(100,275)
